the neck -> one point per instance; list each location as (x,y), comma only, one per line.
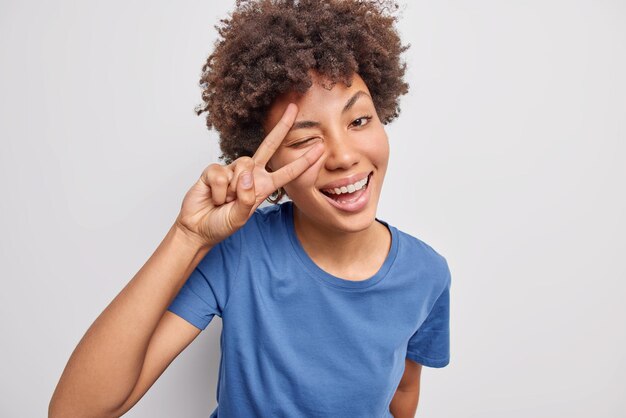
(332,247)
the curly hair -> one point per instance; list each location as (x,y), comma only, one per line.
(268,47)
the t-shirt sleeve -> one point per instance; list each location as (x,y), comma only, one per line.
(430,345)
(208,288)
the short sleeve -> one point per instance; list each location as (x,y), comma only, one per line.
(430,345)
(208,288)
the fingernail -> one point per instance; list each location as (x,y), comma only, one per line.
(246,180)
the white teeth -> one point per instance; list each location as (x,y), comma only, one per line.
(351,188)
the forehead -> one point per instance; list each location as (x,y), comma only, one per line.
(315,101)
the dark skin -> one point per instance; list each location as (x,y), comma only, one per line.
(135,338)
(406,398)
(349,245)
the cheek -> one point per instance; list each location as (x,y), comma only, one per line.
(378,147)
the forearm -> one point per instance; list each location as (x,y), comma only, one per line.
(105,365)
(404,404)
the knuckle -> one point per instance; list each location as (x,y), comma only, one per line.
(206,171)
(270,141)
(241,164)
(213,167)
(290,172)
(211,170)
(220,180)
(248,162)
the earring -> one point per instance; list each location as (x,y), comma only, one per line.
(275,197)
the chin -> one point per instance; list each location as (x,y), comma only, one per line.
(358,225)
(348,222)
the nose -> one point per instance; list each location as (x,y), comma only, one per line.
(340,152)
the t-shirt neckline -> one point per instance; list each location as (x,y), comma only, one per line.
(330,279)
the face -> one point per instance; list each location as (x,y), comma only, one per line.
(356,149)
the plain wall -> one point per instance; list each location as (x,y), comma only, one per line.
(508,158)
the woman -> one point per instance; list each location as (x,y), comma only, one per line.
(327,310)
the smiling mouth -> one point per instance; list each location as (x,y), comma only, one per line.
(345,195)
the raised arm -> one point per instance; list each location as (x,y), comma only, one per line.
(108,361)
(134,339)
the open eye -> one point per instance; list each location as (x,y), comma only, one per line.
(362,121)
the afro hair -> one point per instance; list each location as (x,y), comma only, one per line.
(268,47)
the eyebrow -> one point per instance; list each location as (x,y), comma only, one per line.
(304,124)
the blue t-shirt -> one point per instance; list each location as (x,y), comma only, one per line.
(300,342)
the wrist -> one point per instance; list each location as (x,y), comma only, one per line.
(185,237)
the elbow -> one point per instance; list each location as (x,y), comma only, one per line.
(66,408)
(58,407)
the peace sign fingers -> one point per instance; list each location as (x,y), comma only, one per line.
(276,136)
(292,170)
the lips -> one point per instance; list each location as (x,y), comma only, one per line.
(347,195)
(351,202)
(346,181)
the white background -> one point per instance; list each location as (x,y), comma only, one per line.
(508,158)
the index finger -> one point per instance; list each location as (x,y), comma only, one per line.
(273,140)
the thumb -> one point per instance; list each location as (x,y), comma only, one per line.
(246,198)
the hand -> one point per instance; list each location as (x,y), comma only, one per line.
(221,202)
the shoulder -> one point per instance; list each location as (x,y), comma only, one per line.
(265,227)
(432,259)
(416,245)
(269,213)
(265,219)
